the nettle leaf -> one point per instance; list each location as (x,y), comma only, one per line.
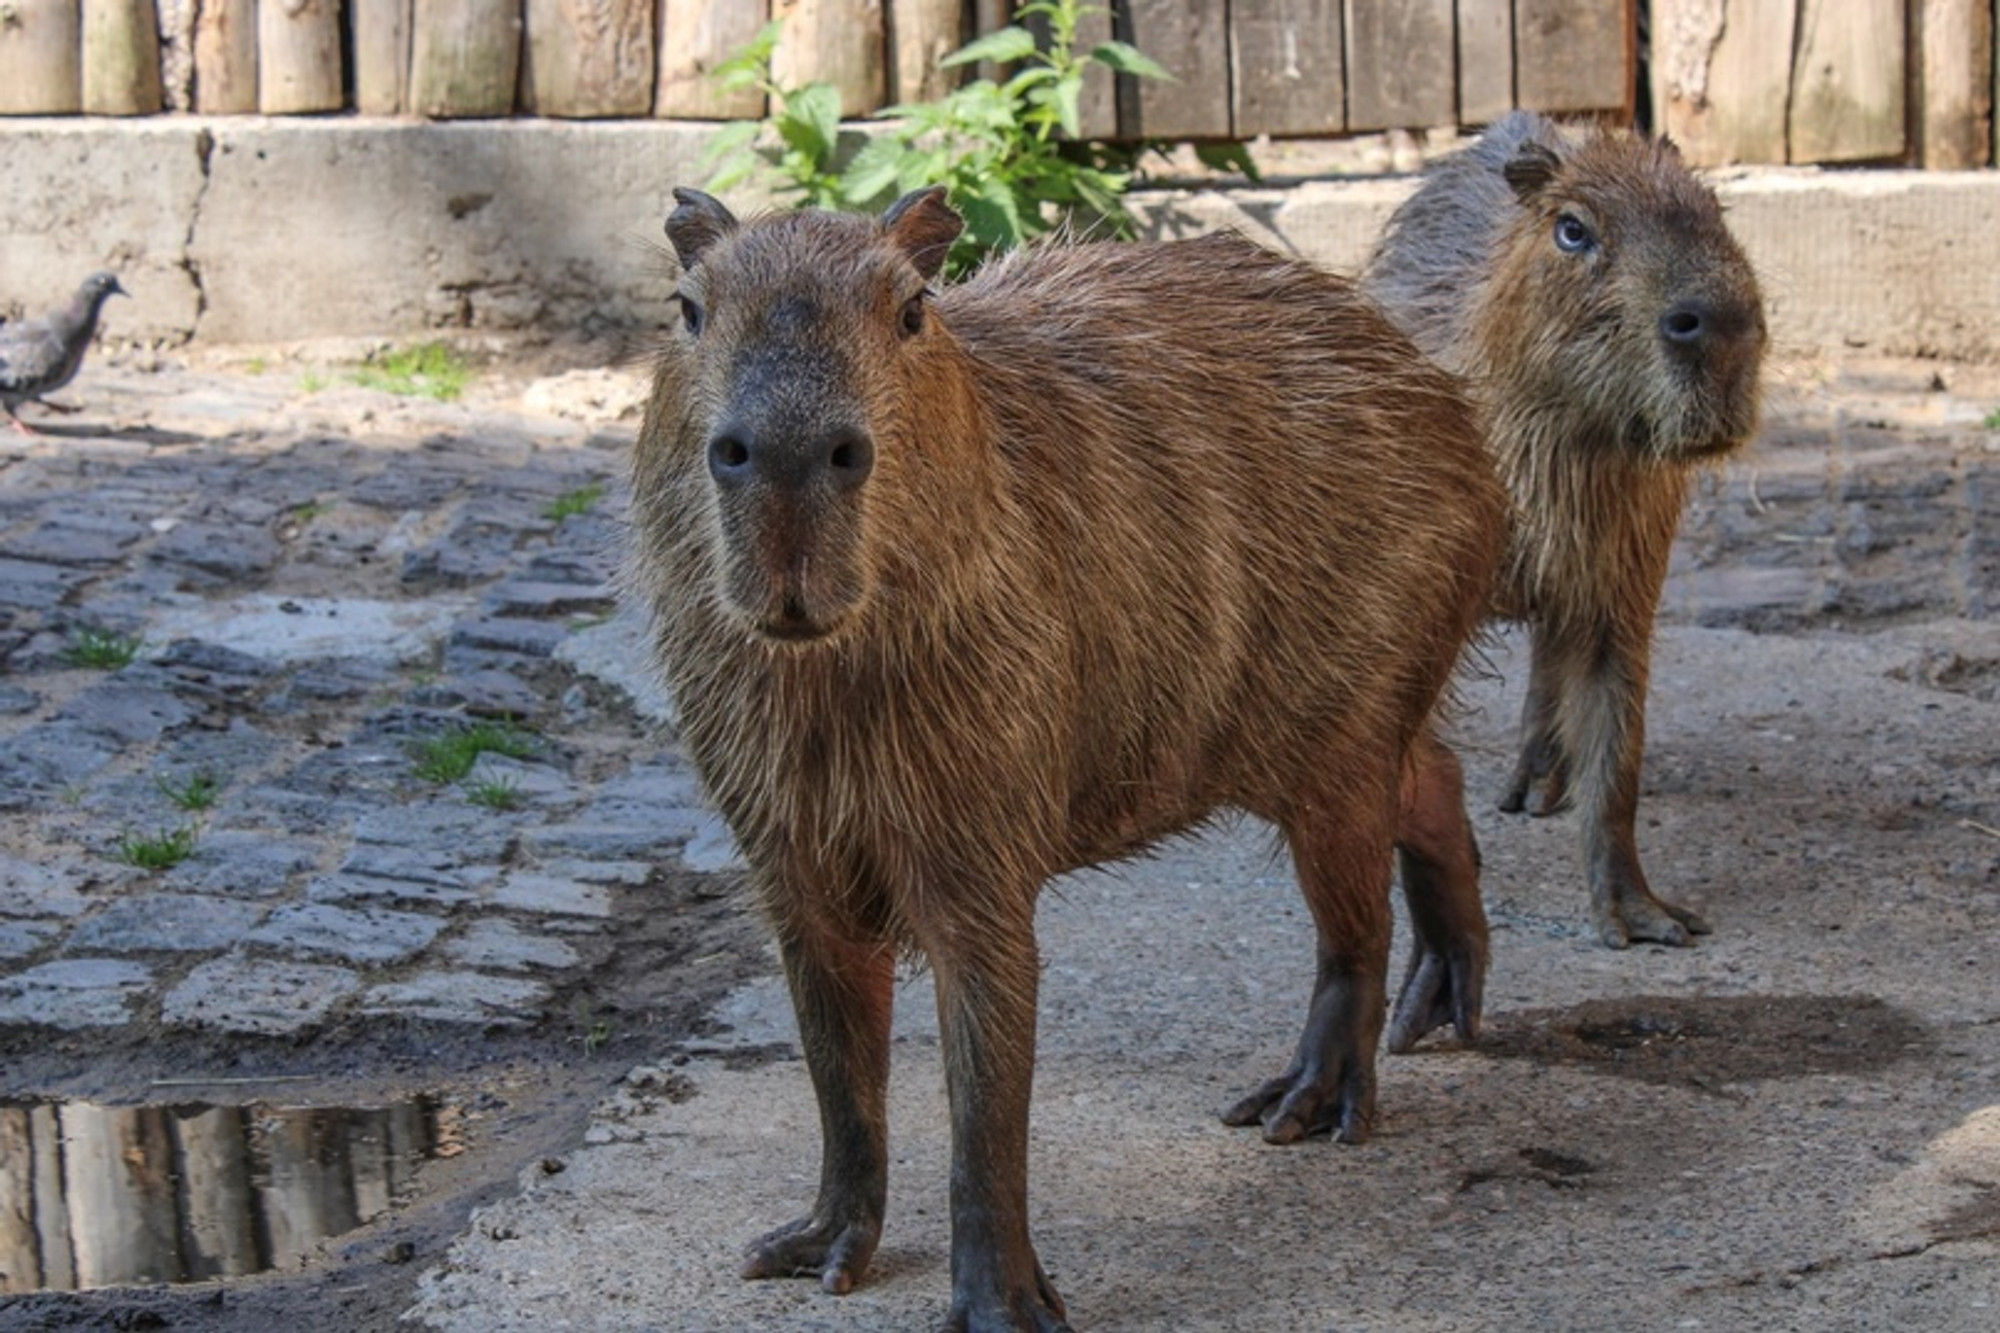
(1227,157)
(810,122)
(875,170)
(730,140)
(1003,47)
(1127,59)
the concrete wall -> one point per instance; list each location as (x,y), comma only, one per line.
(245,230)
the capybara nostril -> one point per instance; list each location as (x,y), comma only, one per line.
(729,459)
(850,457)
(1687,324)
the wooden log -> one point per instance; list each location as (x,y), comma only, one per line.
(1575,56)
(1287,75)
(121,58)
(20,1245)
(839,42)
(1400,73)
(695,37)
(921,33)
(307,1194)
(1722,77)
(298,56)
(589,58)
(225,57)
(1848,95)
(118,1178)
(219,1223)
(41,59)
(465,56)
(51,1205)
(1956,124)
(1486,60)
(1191,39)
(381,56)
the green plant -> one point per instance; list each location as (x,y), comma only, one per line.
(256,365)
(449,757)
(571,503)
(1011,154)
(311,382)
(160,851)
(306,511)
(196,792)
(102,649)
(1993,419)
(599,1034)
(495,794)
(428,370)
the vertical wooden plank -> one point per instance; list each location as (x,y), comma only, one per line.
(20,1245)
(1956,39)
(589,58)
(219,1231)
(176,19)
(1486,59)
(1190,38)
(1400,71)
(695,37)
(52,1221)
(118,1175)
(1574,55)
(41,59)
(298,56)
(1848,96)
(833,41)
(225,57)
(381,56)
(1286,75)
(464,57)
(921,33)
(1097,108)
(121,58)
(1722,76)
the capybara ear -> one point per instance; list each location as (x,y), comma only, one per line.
(1531,169)
(923,225)
(697,222)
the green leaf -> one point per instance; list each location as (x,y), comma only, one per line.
(810,122)
(1068,100)
(731,139)
(874,171)
(1126,59)
(1003,47)
(1227,157)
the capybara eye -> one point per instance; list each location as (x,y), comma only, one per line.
(1572,237)
(913,316)
(691,316)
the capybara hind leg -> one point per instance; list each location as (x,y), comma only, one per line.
(1343,866)
(1540,784)
(1440,866)
(842,990)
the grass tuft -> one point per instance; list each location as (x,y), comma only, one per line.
(102,649)
(571,503)
(196,792)
(495,794)
(448,758)
(159,851)
(428,370)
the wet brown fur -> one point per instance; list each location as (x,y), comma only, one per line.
(1598,424)
(1135,547)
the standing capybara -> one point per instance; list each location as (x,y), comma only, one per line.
(961,588)
(1585,284)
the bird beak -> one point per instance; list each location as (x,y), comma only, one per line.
(117,289)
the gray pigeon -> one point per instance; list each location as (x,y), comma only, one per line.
(39,356)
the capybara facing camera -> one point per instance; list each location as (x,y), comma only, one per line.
(1612,330)
(959,588)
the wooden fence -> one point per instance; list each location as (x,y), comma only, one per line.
(1734,80)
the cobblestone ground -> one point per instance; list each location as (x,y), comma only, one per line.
(321,584)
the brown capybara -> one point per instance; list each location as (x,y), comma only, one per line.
(1585,284)
(959,588)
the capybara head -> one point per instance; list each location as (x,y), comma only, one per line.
(805,343)
(1618,289)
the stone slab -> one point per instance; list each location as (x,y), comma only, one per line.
(239,994)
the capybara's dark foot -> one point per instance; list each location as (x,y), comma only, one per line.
(1439,988)
(834,1252)
(1637,917)
(1039,1311)
(1295,1106)
(1540,784)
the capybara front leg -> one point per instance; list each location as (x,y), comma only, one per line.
(1540,784)
(1440,866)
(842,990)
(1330,1084)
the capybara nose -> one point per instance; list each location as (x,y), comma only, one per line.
(842,458)
(1688,324)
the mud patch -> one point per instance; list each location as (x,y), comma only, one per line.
(1954,673)
(1712,1042)
(1978,1219)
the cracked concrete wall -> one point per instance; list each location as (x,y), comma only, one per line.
(252,230)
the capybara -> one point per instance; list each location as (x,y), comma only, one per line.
(961,587)
(1585,284)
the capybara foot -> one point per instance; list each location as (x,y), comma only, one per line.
(1637,917)
(834,1252)
(1438,989)
(1295,1106)
(1039,1311)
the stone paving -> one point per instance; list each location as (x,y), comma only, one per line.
(322,578)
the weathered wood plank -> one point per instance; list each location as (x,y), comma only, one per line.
(381,56)
(1191,39)
(695,37)
(1575,55)
(1722,76)
(121,58)
(589,58)
(1400,72)
(1287,76)
(1957,76)
(298,56)
(41,59)
(921,33)
(464,57)
(225,57)
(1848,97)
(834,41)
(1485,60)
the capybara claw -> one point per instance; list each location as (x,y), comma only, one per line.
(1643,919)
(1292,1108)
(833,1253)
(1436,991)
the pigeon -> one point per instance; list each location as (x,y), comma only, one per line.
(39,356)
